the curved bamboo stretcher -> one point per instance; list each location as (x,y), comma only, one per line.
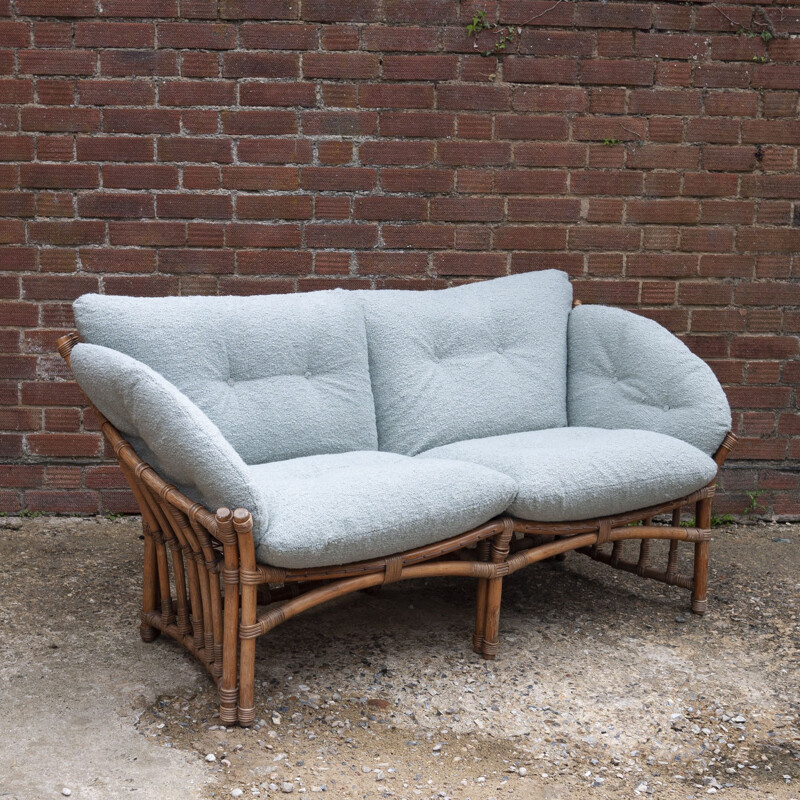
(203,586)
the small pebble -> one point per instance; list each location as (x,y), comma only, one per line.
(66,792)
(287,788)
(522,772)
(236,792)
(211,757)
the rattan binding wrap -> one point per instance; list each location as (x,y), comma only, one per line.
(203,587)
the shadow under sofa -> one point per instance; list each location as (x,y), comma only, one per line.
(366,437)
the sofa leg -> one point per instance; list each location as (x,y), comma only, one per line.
(149,587)
(480,603)
(243,525)
(700,588)
(228,683)
(494,592)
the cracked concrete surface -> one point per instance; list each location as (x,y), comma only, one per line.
(605,685)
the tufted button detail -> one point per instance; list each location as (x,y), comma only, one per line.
(231,381)
(500,350)
(666,408)
(307,374)
(614,379)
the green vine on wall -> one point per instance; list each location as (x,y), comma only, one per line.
(504,36)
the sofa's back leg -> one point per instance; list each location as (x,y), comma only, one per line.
(480,603)
(702,521)
(228,684)
(494,591)
(243,524)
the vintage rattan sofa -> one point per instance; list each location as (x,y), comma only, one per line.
(369,437)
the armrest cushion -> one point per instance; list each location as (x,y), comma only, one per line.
(627,371)
(165,428)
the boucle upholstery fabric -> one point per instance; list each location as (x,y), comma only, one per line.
(476,360)
(567,474)
(166,429)
(334,509)
(626,371)
(281,376)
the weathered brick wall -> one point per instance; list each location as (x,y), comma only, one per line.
(164,146)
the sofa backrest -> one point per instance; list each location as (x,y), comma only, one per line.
(281,376)
(477,360)
(627,371)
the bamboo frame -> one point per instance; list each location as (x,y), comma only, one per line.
(203,586)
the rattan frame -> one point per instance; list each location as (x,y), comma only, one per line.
(202,584)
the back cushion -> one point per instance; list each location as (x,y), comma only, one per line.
(472,361)
(281,376)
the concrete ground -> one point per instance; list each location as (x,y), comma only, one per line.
(605,685)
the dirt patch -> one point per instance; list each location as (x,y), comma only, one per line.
(605,684)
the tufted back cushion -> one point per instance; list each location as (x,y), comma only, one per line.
(477,360)
(281,376)
(626,371)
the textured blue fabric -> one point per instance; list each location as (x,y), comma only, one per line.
(280,375)
(476,360)
(567,474)
(335,509)
(627,371)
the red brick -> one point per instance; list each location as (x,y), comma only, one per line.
(763,131)
(66,233)
(262,123)
(118,260)
(663,156)
(114,148)
(148,234)
(341,179)
(140,176)
(342,236)
(204,261)
(373,95)
(142,8)
(473,98)
(188,206)
(390,208)
(73,120)
(115,204)
(258,9)
(52,34)
(438,181)
(479,153)
(670,45)
(538,12)
(116,93)
(268,262)
(260,178)
(16,204)
(114,34)
(401,153)
(260,65)
(174,148)
(530,237)
(21,476)
(420,68)
(433,125)
(277,94)
(341,11)
(490,264)
(662,211)
(603,237)
(543,210)
(56,62)
(200,35)
(278,37)
(614,15)
(340,65)
(391,263)
(466,209)
(400,38)
(340,123)
(268,207)
(616,72)
(197,93)
(15,91)
(121,63)
(645,265)
(156,120)
(681,102)
(274,151)
(56,8)
(534,70)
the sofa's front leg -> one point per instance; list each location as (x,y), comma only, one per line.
(494,592)
(248,579)
(480,601)
(700,587)
(228,683)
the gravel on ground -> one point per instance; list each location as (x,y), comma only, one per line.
(605,686)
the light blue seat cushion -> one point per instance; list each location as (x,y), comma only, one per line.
(568,474)
(334,509)
(476,360)
(626,371)
(166,429)
(281,376)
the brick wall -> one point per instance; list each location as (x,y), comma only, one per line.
(162,147)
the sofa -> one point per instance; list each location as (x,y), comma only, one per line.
(367,437)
